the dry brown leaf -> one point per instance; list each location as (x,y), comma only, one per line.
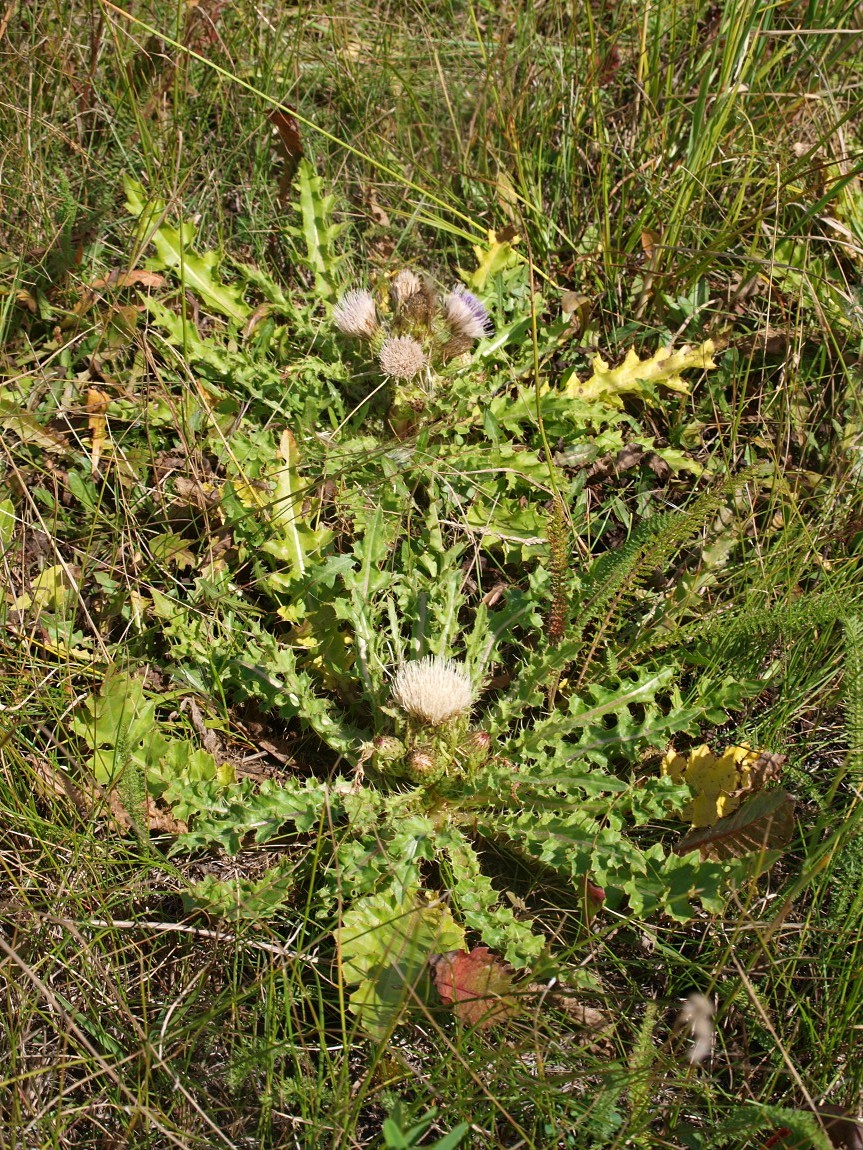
(290,148)
(764,823)
(378,214)
(88,796)
(649,240)
(117,278)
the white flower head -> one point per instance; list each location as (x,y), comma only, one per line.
(464,315)
(433,690)
(401,357)
(355,315)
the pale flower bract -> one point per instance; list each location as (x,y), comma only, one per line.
(355,315)
(433,690)
(401,357)
(405,285)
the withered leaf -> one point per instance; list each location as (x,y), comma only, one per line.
(477,984)
(291,148)
(97,406)
(118,278)
(764,822)
(28,428)
(766,769)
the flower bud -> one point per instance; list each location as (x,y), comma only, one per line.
(387,748)
(475,748)
(423,765)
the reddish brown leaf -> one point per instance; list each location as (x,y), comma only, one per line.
(291,148)
(594,897)
(476,983)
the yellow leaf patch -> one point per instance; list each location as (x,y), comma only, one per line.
(718,782)
(663,367)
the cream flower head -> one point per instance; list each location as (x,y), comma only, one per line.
(355,315)
(433,690)
(401,357)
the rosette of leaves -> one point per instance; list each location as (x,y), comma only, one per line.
(444,762)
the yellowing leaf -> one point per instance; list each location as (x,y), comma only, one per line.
(506,194)
(296,540)
(7,523)
(719,782)
(640,375)
(28,428)
(249,495)
(49,591)
(97,406)
(493,257)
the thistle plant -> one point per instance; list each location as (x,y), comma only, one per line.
(413,333)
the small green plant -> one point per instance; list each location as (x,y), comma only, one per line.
(398,1136)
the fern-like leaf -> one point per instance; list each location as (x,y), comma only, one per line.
(617,574)
(853,694)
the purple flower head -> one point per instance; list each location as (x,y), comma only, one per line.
(465,315)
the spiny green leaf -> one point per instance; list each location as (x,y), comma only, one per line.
(492,257)
(295,541)
(385,941)
(173,248)
(318,230)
